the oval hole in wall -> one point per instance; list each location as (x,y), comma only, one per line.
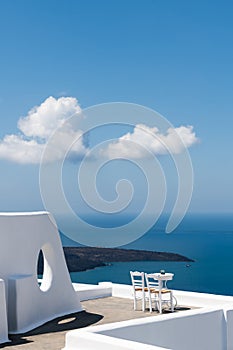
(40,267)
(44,271)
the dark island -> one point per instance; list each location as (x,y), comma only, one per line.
(85,258)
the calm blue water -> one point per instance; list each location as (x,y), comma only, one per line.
(207,239)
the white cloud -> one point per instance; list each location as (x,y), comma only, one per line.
(16,149)
(36,128)
(135,145)
(42,120)
(61,142)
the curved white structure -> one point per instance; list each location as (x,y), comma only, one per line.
(3,314)
(29,305)
(209,325)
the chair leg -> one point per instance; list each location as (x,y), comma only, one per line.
(143,300)
(150,304)
(135,303)
(171,300)
(143,305)
(160,303)
(157,304)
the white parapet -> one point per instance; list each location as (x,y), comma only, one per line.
(83,340)
(208,325)
(91,291)
(3,314)
(196,329)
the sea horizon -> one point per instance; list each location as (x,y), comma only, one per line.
(207,238)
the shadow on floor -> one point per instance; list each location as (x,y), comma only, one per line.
(59,324)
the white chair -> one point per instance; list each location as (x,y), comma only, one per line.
(138,284)
(156,292)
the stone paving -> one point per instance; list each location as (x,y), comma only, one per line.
(51,336)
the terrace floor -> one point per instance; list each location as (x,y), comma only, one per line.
(98,311)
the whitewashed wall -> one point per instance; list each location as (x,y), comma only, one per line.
(82,340)
(209,326)
(22,236)
(89,291)
(191,330)
(3,314)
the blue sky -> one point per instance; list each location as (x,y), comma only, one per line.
(175,57)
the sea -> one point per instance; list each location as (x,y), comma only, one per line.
(207,239)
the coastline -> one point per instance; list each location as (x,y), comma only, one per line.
(86,258)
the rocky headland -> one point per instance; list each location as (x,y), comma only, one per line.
(85,258)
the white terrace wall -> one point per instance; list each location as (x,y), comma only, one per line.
(88,291)
(229,319)
(189,330)
(202,299)
(196,329)
(3,314)
(83,340)
(209,326)
(183,297)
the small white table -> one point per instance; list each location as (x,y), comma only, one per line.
(163,278)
